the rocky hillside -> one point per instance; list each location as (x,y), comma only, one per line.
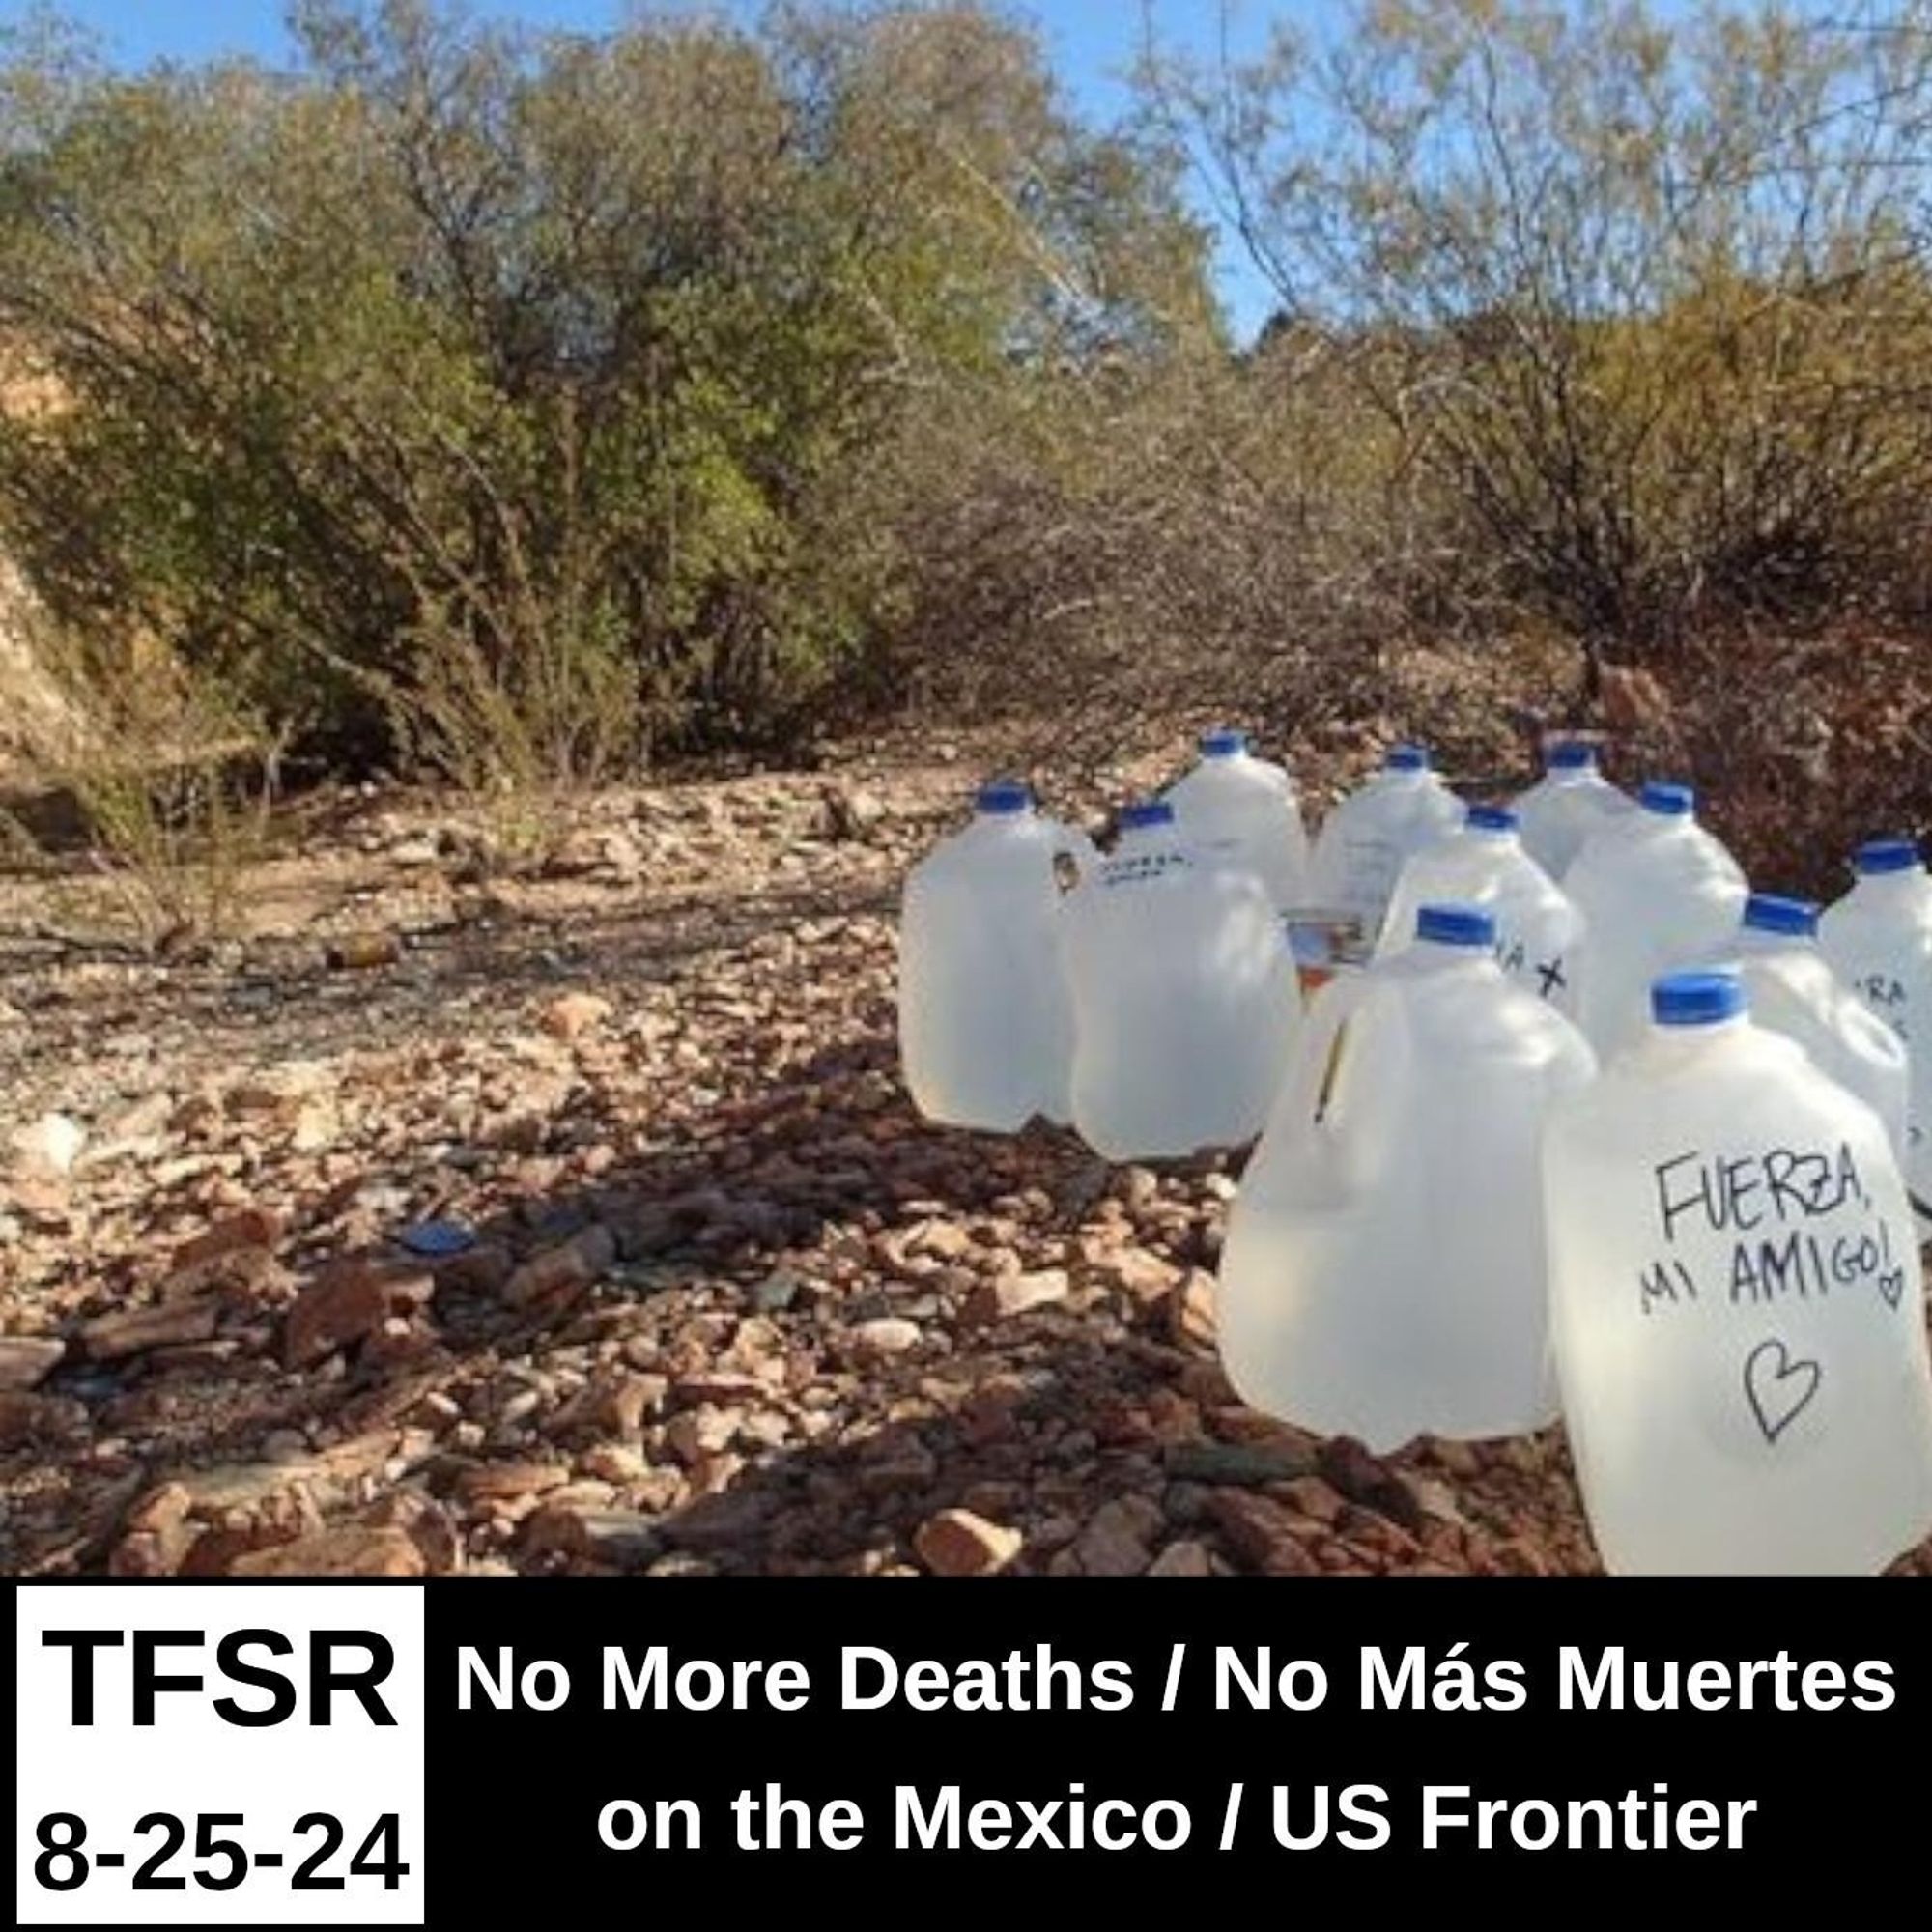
(580,1222)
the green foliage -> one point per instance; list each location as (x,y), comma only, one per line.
(497,399)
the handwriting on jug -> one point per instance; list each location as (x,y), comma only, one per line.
(1769,1204)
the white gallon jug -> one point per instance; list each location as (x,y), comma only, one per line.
(1384,1269)
(1657,893)
(1735,1302)
(1879,936)
(1368,838)
(1568,803)
(1792,989)
(1243,809)
(985,1011)
(1538,932)
(1185,995)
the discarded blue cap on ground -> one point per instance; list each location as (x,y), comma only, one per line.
(1005,795)
(1145,812)
(1769,912)
(1493,818)
(1405,758)
(1223,742)
(1696,998)
(435,1239)
(1456,926)
(1569,755)
(1885,855)
(1672,800)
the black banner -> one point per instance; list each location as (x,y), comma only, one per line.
(588,1743)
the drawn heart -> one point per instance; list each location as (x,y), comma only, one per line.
(1779,1388)
(1891,1286)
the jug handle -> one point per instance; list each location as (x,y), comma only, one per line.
(1316,1062)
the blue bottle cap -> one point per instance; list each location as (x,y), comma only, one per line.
(1145,812)
(1223,742)
(1493,818)
(1696,998)
(1405,758)
(1569,755)
(1004,797)
(1767,912)
(1668,801)
(1456,926)
(1885,855)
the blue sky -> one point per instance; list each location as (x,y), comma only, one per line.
(1092,42)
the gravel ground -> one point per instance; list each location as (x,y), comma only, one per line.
(580,1222)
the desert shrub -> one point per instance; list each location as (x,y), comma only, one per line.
(1645,298)
(509,400)
(168,782)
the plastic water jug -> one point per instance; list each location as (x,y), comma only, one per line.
(1237,808)
(1736,1306)
(1538,932)
(1793,990)
(1879,936)
(985,1011)
(1368,838)
(1384,1269)
(1568,803)
(1185,996)
(1657,893)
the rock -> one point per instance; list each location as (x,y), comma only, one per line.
(1310,1496)
(957,1542)
(1264,1535)
(346,1302)
(336,1552)
(556,1276)
(1116,1541)
(1135,1272)
(851,813)
(48,1147)
(572,1016)
(109,1338)
(484,1268)
(776,1293)
(1002,1296)
(247,1239)
(148,1552)
(1366,1479)
(492,1482)
(364,951)
(701,1432)
(887,1335)
(164,1507)
(426,1523)
(138,1128)
(1186,1558)
(614,1463)
(622,1405)
(1190,1311)
(27,1359)
(625,1538)
(1243,1462)
(722,1523)
(316,1126)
